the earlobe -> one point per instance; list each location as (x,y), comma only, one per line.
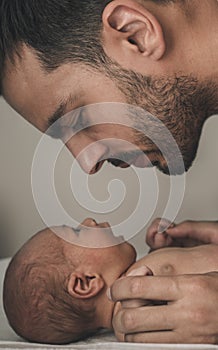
(84,286)
(131,28)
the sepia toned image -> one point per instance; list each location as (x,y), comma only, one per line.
(109,198)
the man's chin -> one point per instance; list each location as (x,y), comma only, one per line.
(175,169)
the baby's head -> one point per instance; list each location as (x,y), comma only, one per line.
(55,291)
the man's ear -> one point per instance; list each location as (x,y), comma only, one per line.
(84,286)
(130,31)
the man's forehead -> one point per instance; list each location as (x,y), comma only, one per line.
(38,95)
(42,97)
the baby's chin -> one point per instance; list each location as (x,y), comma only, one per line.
(131,256)
(129,267)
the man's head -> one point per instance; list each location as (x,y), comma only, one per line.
(57,56)
(55,292)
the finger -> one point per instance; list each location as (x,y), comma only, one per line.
(154,337)
(171,337)
(145,319)
(159,240)
(181,231)
(136,303)
(152,230)
(164,225)
(159,225)
(143,270)
(163,288)
(193,230)
(156,236)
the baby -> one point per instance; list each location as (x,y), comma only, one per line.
(55,291)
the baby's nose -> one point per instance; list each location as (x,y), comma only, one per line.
(89,222)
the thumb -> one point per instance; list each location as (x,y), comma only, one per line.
(140,271)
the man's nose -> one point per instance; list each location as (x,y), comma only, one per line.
(90,155)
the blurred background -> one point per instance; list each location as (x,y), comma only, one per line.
(19,217)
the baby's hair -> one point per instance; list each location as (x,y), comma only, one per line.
(36,301)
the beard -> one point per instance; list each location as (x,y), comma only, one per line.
(181,103)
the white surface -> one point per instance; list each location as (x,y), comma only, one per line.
(9,340)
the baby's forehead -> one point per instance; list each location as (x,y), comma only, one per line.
(47,234)
(42,243)
(49,244)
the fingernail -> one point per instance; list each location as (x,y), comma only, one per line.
(161,229)
(141,271)
(171,226)
(108,293)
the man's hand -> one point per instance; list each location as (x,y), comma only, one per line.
(188,310)
(186,234)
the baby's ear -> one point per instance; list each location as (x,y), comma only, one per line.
(84,285)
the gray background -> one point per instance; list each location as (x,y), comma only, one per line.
(19,218)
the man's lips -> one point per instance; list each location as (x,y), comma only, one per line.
(141,161)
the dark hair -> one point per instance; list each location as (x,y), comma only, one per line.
(58,31)
(36,301)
